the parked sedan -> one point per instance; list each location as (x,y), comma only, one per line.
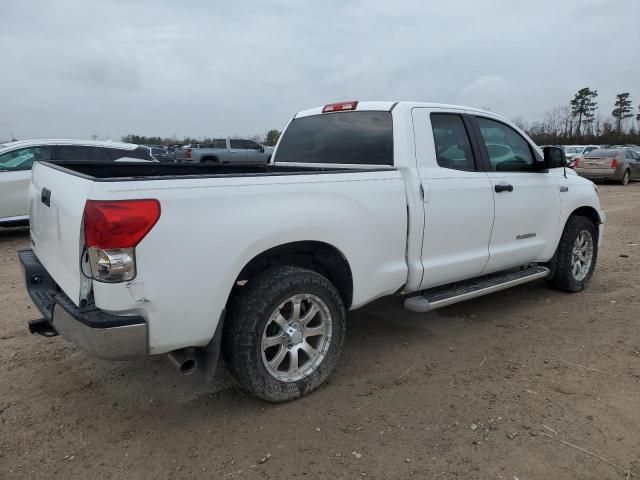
(575,153)
(618,164)
(16,159)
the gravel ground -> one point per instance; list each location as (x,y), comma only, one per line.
(490,388)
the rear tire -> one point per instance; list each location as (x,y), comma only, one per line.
(272,340)
(625,178)
(576,256)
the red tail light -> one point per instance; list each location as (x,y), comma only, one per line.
(614,163)
(576,162)
(187,153)
(118,223)
(340,107)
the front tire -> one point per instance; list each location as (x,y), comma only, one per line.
(576,256)
(284,333)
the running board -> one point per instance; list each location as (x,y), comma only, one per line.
(459,293)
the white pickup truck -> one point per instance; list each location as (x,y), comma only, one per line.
(432,203)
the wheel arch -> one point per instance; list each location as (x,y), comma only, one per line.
(320,257)
(210,158)
(586,211)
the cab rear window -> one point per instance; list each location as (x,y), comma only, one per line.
(360,137)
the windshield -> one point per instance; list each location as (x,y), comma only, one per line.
(361,138)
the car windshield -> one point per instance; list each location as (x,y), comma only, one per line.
(360,137)
(602,153)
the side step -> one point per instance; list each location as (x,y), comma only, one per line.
(460,292)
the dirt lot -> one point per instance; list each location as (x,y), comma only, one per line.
(475,390)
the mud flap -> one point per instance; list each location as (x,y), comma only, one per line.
(208,356)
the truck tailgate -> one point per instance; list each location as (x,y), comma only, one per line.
(56,205)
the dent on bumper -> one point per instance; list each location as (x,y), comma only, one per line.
(103,335)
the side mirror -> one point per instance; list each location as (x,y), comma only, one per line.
(554,157)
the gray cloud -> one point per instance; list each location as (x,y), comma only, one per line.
(219,68)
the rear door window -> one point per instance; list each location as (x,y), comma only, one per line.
(359,137)
(453,148)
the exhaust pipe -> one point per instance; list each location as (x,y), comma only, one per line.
(42,327)
(184,360)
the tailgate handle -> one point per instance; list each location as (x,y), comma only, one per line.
(45,197)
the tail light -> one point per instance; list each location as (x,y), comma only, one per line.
(187,153)
(340,107)
(576,163)
(112,230)
(614,163)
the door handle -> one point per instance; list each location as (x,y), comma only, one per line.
(503,187)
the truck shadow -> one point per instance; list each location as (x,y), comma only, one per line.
(382,341)
(16,233)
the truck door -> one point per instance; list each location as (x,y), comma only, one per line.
(527,201)
(254,152)
(458,201)
(237,151)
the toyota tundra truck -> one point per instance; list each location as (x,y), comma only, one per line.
(431,203)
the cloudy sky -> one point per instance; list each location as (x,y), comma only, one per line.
(73,68)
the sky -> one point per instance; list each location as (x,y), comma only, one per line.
(207,68)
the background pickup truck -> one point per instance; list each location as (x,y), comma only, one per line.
(226,150)
(432,203)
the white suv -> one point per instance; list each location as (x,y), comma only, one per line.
(16,159)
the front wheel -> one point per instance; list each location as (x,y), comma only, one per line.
(284,333)
(576,256)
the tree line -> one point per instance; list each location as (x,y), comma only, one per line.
(580,121)
(270,138)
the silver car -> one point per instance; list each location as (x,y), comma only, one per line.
(617,164)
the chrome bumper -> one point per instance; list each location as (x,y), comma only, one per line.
(111,337)
(111,343)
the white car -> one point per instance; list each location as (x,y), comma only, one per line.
(575,153)
(16,159)
(361,200)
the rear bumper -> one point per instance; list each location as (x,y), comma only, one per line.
(111,337)
(599,173)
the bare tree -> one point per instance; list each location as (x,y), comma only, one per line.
(520,123)
(552,122)
(566,121)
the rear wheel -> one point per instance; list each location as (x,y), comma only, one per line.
(625,178)
(576,256)
(284,333)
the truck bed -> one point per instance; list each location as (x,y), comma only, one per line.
(122,171)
